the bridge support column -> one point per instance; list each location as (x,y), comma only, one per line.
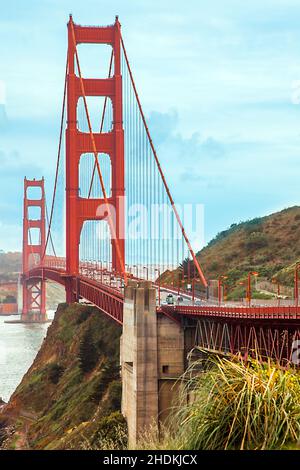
(71,296)
(152,360)
(139,359)
(34,289)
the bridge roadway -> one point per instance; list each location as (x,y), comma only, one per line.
(106,291)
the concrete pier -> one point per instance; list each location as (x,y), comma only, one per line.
(152,360)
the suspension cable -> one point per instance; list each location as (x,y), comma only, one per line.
(202,277)
(31,247)
(57,163)
(48,223)
(110,220)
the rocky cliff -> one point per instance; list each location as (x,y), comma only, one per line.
(70,398)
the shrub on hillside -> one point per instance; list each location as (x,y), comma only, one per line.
(83,315)
(88,354)
(214,266)
(255,225)
(111,434)
(55,371)
(255,241)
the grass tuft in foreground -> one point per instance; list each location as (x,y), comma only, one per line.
(236,405)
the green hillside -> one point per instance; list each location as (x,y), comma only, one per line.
(269,245)
(10,266)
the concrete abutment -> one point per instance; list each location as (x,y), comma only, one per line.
(153,357)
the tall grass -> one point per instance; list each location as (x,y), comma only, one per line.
(235,405)
(238,405)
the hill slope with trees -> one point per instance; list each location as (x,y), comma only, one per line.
(269,245)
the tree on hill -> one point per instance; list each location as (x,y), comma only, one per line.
(88,355)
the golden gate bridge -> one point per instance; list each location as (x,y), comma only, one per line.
(108,175)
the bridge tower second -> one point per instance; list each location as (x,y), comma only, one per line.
(80,209)
(34,290)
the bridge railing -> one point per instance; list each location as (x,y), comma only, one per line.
(57,262)
(242,312)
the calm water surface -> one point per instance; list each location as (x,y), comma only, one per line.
(19,345)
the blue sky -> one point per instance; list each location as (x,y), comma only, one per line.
(218,81)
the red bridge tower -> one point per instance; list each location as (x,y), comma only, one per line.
(34,290)
(79,209)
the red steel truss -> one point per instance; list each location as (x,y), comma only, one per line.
(106,299)
(264,331)
(275,340)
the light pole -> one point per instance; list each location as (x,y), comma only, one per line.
(136,270)
(158,272)
(296,286)
(225,289)
(128,271)
(252,273)
(193,288)
(101,271)
(220,284)
(147,271)
(109,264)
(275,281)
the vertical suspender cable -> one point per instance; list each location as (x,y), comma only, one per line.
(57,161)
(161,172)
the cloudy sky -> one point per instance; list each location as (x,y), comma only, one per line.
(219,81)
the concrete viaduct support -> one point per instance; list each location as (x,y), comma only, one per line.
(153,353)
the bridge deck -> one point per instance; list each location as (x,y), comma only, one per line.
(110,299)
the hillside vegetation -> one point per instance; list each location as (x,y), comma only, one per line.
(10,266)
(269,245)
(71,396)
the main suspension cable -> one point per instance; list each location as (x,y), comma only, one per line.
(57,162)
(202,277)
(50,234)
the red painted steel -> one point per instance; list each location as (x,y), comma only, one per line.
(34,292)
(80,209)
(234,313)
(109,300)
(263,339)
